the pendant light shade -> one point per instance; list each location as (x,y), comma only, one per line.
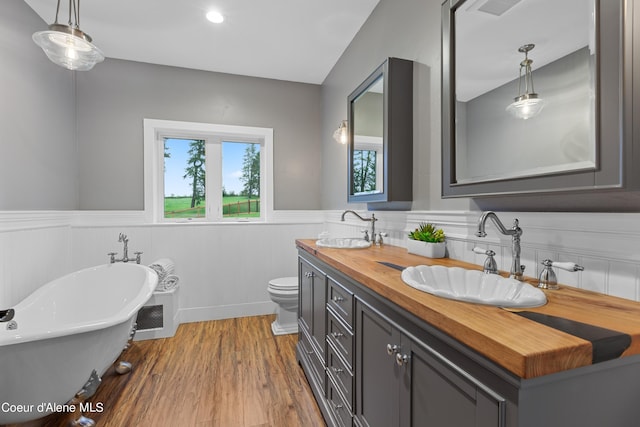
(67,45)
(527,104)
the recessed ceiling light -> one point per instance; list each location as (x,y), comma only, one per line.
(215,17)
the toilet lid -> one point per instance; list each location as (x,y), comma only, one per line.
(284,283)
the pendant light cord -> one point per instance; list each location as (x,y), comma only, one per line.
(57,11)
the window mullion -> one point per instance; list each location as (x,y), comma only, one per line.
(213,150)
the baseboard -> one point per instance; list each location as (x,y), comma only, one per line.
(203,314)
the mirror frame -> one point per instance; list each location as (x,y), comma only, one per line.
(610,139)
(397,139)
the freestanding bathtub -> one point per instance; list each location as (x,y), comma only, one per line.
(64,331)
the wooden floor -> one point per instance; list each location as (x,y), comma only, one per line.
(229,373)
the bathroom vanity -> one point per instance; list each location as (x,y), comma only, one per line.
(377,352)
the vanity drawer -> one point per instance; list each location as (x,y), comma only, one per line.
(340,375)
(338,407)
(341,301)
(341,337)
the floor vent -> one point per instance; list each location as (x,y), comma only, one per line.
(150,317)
(159,317)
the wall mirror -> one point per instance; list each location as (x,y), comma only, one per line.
(368,149)
(380,112)
(487,45)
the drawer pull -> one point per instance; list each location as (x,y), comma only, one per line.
(402,359)
(338,370)
(392,349)
(337,406)
(337,299)
(337,334)
(308,274)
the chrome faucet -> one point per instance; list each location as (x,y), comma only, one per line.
(517,269)
(373,220)
(122,238)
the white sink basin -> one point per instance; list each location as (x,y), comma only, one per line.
(343,243)
(473,286)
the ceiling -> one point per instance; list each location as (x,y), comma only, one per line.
(293,40)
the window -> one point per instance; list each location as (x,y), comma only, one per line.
(364,171)
(207,172)
(367,161)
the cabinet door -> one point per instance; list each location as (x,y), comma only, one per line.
(436,393)
(305,295)
(312,301)
(377,374)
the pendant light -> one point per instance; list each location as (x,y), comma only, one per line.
(527,104)
(67,45)
(341,134)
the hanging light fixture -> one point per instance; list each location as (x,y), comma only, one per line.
(341,134)
(527,104)
(67,45)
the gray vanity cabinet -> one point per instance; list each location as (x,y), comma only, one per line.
(371,363)
(400,381)
(369,366)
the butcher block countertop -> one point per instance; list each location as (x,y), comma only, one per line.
(524,347)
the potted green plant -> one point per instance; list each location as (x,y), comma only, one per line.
(427,240)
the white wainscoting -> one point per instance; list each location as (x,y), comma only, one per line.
(606,244)
(35,248)
(225,268)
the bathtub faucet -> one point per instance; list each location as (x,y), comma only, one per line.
(122,238)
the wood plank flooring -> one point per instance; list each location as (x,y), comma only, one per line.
(228,373)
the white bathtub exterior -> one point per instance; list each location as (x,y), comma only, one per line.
(66,329)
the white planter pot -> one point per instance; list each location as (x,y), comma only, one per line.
(429,250)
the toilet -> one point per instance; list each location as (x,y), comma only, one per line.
(284,292)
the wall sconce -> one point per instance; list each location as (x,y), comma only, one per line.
(67,45)
(341,134)
(527,104)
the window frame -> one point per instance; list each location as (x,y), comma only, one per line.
(155,131)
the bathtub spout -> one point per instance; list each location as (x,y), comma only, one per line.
(7,315)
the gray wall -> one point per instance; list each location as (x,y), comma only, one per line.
(38,161)
(116,95)
(48,164)
(408,29)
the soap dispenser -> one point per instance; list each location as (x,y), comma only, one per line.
(548,279)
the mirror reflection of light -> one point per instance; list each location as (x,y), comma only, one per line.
(526,108)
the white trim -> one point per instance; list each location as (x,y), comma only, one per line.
(33,220)
(153,174)
(138,218)
(201,314)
